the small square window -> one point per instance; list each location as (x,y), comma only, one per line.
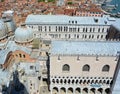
(31,67)
(91,77)
(111,78)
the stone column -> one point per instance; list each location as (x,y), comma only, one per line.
(103,92)
(88,91)
(81,90)
(58,90)
(51,91)
(95,91)
(73,91)
(66,90)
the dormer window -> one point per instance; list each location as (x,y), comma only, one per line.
(69,21)
(96,20)
(105,22)
(76,22)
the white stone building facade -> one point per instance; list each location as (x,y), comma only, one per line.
(62,27)
(85,67)
(82,72)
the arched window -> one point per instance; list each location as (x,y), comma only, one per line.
(89,36)
(66,68)
(103,30)
(97,36)
(86,68)
(93,29)
(106,68)
(83,29)
(99,30)
(78,29)
(86,29)
(101,36)
(92,36)
(90,29)
(23,56)
(20,55)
